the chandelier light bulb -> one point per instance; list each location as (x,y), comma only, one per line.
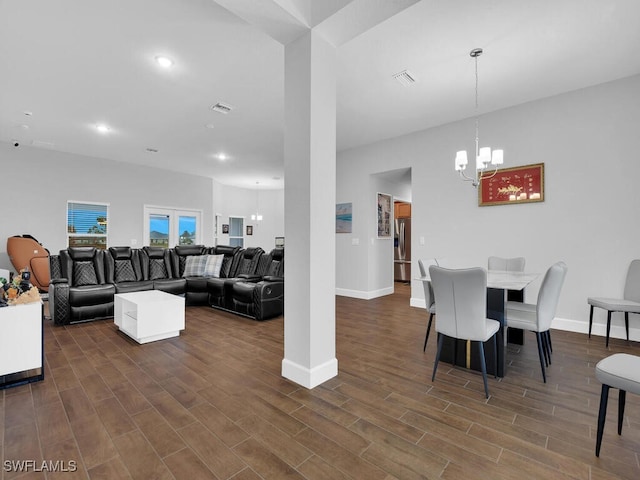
(484,156)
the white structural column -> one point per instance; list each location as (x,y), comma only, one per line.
(310,192)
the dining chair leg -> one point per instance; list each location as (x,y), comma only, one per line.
(455,351)
(483,366)
(626,323)
(602,415)
(547,343)
(435,365)
(622,395)
(495,357)
(590,320)
(547,352)
(541,355)
(426,337)
(549,340)
(608,326)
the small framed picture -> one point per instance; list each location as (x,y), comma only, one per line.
(385,214)
(249,229)
(225,228)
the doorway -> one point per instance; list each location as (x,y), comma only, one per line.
(402,242)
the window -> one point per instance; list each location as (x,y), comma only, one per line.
(87,224)
(236,231)
(168,227)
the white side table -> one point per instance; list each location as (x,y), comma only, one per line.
(149,315)
(21,344)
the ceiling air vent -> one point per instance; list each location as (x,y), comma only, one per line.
(405,78)
(221,107)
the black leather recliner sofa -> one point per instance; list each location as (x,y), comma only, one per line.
(124,270)
(156,266)
(219,289)
(262,299)
(196,287)
(82,292)
(85,279)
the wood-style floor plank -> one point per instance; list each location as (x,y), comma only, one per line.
(211,403)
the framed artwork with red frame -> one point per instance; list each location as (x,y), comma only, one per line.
(524,184)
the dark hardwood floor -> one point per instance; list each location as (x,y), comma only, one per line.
(212,404)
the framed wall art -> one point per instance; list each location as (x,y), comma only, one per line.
(524,184)
(344,212)
(385,215)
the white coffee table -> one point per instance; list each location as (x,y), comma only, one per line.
(149,315)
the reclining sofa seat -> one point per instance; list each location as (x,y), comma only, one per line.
(196,287)
(220,289)
(123,269)
(156,267)
(263,299)
(82,292)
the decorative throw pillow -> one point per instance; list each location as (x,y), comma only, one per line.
(124,271)
(157,269)
(84,274)
(213,266)
(194,265)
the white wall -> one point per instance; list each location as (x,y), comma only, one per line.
(589,143)
(240,202)
(37,183)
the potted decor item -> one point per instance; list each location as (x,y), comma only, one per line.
(18,289)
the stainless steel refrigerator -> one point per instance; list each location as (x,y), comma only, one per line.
(402,250)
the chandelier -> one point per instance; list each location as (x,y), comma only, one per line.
(484,155)
(256,216)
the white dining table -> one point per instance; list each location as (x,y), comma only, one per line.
(502,279)
(498,283)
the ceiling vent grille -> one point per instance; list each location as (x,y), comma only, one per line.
(405,77)
(221,108)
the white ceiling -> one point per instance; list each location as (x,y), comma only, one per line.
(76,63)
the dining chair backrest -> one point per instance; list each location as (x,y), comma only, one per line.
(632,285)
(515,264)
(549,295)
(429,299)
(461,296)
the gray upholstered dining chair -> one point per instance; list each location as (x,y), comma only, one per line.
(538,317)
(515,264)
(429,299)
(629,303)
(461,296)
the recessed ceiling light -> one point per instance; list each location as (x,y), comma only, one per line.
(28,113)
(164,62)
(151,150)
(102,128)
(210,126)
(221,156)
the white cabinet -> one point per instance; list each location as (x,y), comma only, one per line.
(21,349)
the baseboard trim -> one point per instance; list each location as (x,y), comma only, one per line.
(598,329)
(363,295)
(309,378)
(417,302)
